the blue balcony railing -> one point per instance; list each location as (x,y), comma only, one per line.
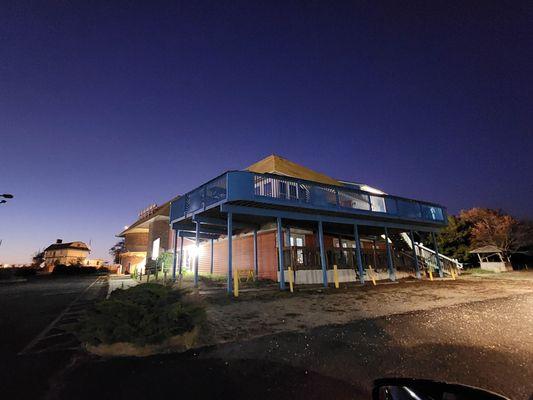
(285,191)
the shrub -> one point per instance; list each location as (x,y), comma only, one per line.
(25,271)
(7,273)
(143,314)
(61,269)
(11,273)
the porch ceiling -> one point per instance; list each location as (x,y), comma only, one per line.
(330,226)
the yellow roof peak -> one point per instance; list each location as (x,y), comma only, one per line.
(274,164)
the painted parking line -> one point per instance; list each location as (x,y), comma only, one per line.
(54,330)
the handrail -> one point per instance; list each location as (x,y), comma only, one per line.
(407,239)
(329,196)
(453,260)
(347,188)
(244,185)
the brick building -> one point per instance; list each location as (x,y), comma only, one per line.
(146,238)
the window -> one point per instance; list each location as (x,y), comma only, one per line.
(297,240)
(378,204)
(155,249)
(282,190)
(293,190)
(268,189)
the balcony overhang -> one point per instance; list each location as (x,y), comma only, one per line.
(267,195)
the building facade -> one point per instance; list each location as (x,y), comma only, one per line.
(324,227)
(146,239)
(66,253)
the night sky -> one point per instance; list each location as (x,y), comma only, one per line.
(105,108)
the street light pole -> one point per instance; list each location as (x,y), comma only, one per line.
(5,196)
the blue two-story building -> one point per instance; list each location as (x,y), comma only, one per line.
(240,220)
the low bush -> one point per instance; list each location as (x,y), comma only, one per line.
(12,273)
(475,271)
(7,273)
(25,271)
(143,314)
(61,269)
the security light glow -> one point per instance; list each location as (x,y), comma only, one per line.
(193,251)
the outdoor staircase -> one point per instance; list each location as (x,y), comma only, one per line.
(427,260)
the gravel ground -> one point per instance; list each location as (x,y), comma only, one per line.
(256,314)
(488,344)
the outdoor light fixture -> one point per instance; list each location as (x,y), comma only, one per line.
(193,251)
(5,196)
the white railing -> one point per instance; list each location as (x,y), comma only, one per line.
(428,254)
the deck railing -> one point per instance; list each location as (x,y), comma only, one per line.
(276,190)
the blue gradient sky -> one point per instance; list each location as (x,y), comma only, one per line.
(105,109)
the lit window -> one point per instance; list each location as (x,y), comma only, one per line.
(155,249)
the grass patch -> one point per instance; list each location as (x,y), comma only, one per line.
(476,271)
(144,314)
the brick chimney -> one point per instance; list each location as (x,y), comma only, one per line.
(58,241)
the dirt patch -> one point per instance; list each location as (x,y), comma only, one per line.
(178,343)
(260,313)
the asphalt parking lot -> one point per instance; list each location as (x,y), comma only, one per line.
(477,332)
(27,309)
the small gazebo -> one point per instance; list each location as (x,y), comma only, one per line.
(491,259)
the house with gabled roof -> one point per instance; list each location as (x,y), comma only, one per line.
(66,253)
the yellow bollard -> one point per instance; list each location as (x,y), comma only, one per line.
(372,276)
(453,274)
(336,276)
(291,284)
(430,275)
(236,284)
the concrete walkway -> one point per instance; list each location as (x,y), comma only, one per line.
(120,282)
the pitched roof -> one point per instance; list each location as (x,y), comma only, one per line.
(69,245)
(162,210)
(274,164)
(487,249)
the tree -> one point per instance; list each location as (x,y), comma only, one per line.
(523,233)
(117,249)
(481,227)
(493,227)
(164,261)
(456,239)
(38,258)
